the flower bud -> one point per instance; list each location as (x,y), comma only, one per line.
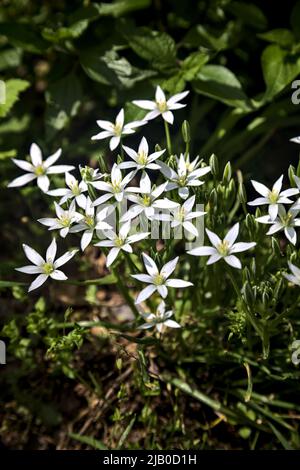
(275,247)
(157,148)
(242,194)
(213,198)
(291,174)
(227,173)
(214,165)
(186,134)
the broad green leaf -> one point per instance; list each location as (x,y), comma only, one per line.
(23,35)
(13,88)
(63,100)
(158,48)
(10,58)
(220,83)
(282,37)
(111,69)
(201,36)
(279,69)
(249,14)
(122,7)
(67,32)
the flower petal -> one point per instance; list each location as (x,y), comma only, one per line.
(58,275)
(51,251)
(169,267)
(150,265)
(43,183)
(21,180)
(30,269)
(233,261)
(145,293)
(64,258)
(260,188)
(232,234)
(33,255)
(35,154)
(178,283)
(38,282)
(213,237)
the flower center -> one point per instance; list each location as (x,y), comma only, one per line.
(180,215)
(116,186)
(118,129)
(64,221)
(223,248)
(48,267)
(273,196)
(182,181)
(75,189)
(142,158)
(89,220)
(146,200)
(162,106)
(158,280)
(119,241)
(287,220)
(39,170)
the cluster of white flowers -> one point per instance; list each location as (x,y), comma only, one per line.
(80,209)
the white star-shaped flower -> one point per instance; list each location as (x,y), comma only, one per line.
(120,242)
(162,106)
(159,319)
(285,221)
(223,249)
(273,197)
(39,169)
(183,216)
(158,279)
(74,190)
(45,267)
(147,201)
(187,175)
(115,188)
(64,219)
(141,159)
(115,130)
(91,222)
(295,276)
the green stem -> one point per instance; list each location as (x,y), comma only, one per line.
(124,291)
(91,324)
(168,138)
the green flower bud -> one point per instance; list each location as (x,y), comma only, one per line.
(227,173)
(275,247)
(213,198)
(186,134)
(291,174)
(157,148)
(242,194)
(214,165)
(265,299)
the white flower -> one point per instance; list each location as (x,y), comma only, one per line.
(73,190)
(183,178)
(296,139)
(147,201)
(120,242)
(183,216)
(285,221)
(223,248)
(116,129)
(45,268)
(90,222)
(115,188)
(158,280)
(162,106)
(272,197)
(159,319)
(295,276)
(39,169)
(141,159)
(64,219)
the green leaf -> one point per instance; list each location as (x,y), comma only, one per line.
(200,36)
(24,35)
(279,69)
(8,154)
(249,14)
(90,441)
(111,69)
(10,58)
(67,32)
(122,7)
(220,83)
(126,432)
(158,48)
(63,100)
(282,37)
(13,88)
